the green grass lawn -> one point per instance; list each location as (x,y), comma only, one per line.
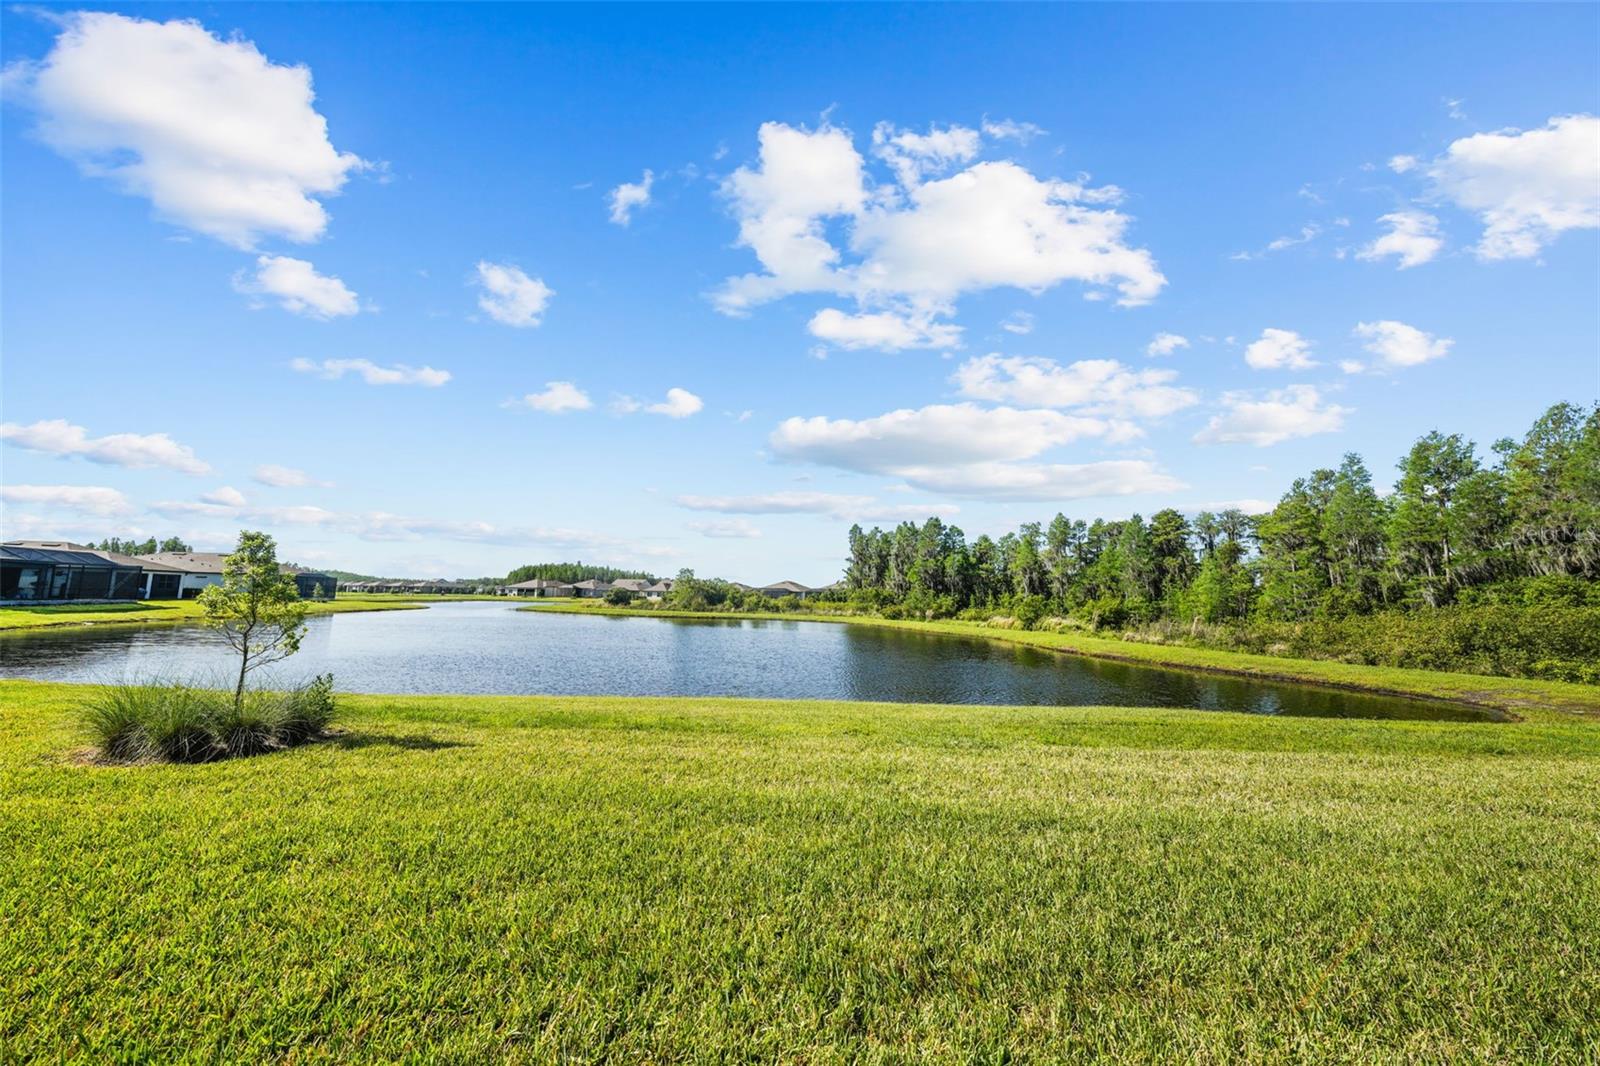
(1519,697)
(527,879)
(146,612)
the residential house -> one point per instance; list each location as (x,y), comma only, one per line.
(658,590)
(31,575)
(591,589)
(538,587)
(198,571)
(780,589)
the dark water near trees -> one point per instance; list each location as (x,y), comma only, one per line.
(493,648)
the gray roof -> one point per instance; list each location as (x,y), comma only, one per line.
(190,562)
(664,585)
(143,562)
(786,586)
(592,583)
(61,557)
(632,584)
(539,583)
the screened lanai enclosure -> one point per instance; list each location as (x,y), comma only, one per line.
(43,574)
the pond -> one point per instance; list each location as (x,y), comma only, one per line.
(492,648)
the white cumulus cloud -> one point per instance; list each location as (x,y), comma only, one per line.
(85,499)
(1277,416)
(509,296)
(297,287)
(630,197)
(680,403)
(1279,349)
(217,137)
(1526,186)
(886,331)
(1398,344)
(913,155)
(372,373)
(1413,239)
(137,450)
(1165,344)
(286,477)
(1018,322)
(928,436)
(971,451)
(1099,386)
(557,397)
(941,224)
(225,496)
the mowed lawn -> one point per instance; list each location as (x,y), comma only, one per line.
(146,612)
(527,879)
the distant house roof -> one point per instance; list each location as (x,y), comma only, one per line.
(189,562)
(539,583)
(592,583)
(786,586)
(664,585)
(632,584)
(16,553)
(143,562)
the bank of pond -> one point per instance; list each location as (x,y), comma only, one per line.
(492,648)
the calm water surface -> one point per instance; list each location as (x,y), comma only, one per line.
(493,648)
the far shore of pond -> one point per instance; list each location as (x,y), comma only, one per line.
(15,619)
(1519,699)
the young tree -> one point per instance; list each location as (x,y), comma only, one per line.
(256,607)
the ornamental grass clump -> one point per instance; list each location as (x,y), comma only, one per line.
(307,712)
(172,722)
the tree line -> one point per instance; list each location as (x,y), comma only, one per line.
(1521,526)
(569,573)
(147,546)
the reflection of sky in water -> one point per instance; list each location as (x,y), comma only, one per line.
(493,648)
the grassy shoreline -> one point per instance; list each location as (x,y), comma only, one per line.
(178,612)
(1518,698)
(535,878)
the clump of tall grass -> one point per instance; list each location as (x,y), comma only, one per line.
(174,722)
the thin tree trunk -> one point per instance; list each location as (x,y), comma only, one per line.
(244,664)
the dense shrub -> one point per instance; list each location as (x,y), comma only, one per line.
(1554,643)
(172,722)
(619,597)
(1028,610)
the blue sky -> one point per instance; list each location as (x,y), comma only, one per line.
(891,261)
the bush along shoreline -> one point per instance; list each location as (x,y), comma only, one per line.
(178,723)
